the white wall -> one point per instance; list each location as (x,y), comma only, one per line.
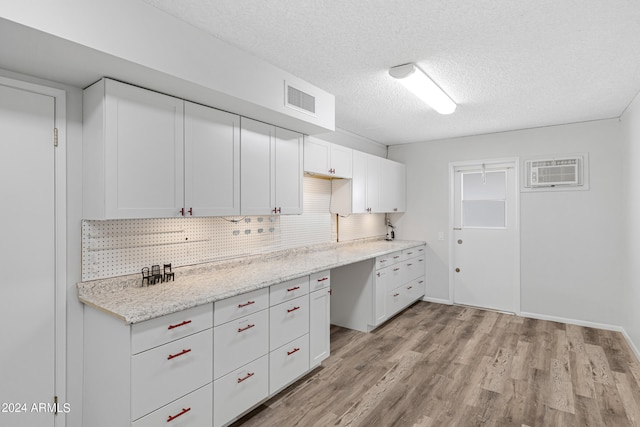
(571,241)
(631,138)
(79,41)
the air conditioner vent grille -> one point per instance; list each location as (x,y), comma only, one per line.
(299,100)
(557,172)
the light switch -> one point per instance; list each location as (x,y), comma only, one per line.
(441,235)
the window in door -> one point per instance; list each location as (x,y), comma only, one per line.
(484,201)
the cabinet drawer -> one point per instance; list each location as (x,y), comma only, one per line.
(392,276)
(240,390)
(413,290)
(241,305)
(413,268)
(288,321)
(411,252)
(193,410)
(164,329)
(288,290)
(386,260)
(320,280)
(240,341)
(288,362)
(165,373)
(395,300)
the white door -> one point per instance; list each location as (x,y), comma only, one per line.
(485,236)
(27,250)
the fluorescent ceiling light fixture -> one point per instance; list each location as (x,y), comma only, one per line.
(414,79)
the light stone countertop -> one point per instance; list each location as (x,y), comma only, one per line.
(125,298)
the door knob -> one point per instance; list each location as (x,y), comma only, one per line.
(457,270)
(459,241)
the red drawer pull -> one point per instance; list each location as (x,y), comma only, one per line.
(172,356)
(293,289)
(186,322)
(383,260)
(409,287)
(396,257)
(409,253)
(396,269)
(249,375)
(245,328)
(296,349)
(395,295)
(421,281)
(173,417)
(323,279)
(293,309)
(409,265)
(246,304)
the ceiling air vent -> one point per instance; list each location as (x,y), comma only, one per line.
(299,100)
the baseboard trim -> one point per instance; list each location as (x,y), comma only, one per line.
(588,324)
(437,300)
(631,344)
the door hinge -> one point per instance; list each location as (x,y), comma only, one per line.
(55,137)
(55,399)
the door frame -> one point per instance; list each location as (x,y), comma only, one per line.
(515,162)
(60,221)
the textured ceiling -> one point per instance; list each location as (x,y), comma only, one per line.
(509,64)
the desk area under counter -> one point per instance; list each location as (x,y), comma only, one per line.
(178,349)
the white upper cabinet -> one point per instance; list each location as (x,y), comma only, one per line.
(393,186)
(327,159)
(288,171)
(361,193)
(378,185)
(271,169)
(132,152)
(211,161)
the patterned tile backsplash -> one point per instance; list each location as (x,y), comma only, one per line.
(120,247)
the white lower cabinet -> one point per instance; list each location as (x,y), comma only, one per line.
(145,373)
(288,363)
(207,364)
(240,390)
(192,410)
(369,293)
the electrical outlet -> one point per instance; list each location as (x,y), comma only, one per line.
(441,235)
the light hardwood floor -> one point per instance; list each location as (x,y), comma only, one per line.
(440,365)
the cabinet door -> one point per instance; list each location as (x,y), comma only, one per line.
(374,166)
(392,186)
(319,326)
(317,156)
(382,279)
(144,148)
(359,183)
(212,161)
(341,161)
(288,171)
(256,171)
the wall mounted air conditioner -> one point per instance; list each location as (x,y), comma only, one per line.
(554,172)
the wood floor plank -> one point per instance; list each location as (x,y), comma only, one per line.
(440,365)
(600,371)
(630,404)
